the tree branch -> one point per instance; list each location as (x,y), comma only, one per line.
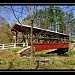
(15,16)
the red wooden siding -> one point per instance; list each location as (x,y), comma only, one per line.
(39,47)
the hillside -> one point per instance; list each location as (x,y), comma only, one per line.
(6,35)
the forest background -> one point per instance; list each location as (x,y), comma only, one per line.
(53,17)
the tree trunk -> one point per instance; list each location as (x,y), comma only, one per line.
(32,50)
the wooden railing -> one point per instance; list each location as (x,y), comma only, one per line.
(12,45)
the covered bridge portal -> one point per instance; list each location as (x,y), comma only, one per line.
(43,39)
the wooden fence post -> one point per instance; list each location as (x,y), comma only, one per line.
(3,46)
(14,45)
(23,44)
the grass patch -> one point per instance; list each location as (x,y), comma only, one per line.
(43,55)
(24,46)
(71,53)
(14,50)
(14,63)
(71,62)
(9,60)
(19,63)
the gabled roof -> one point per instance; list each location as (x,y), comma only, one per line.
(20,27)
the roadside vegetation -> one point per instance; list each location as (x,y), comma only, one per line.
(9,60)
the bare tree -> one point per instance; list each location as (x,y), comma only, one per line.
(32,51)
(30,11)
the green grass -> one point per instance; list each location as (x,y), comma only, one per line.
(19,63)
(14,50)
(24,46)
(9,60)
(14,63)
(43,55)
(71,62)
(71,53)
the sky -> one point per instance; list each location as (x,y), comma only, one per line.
(9,17)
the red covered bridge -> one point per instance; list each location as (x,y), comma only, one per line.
(43,39)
